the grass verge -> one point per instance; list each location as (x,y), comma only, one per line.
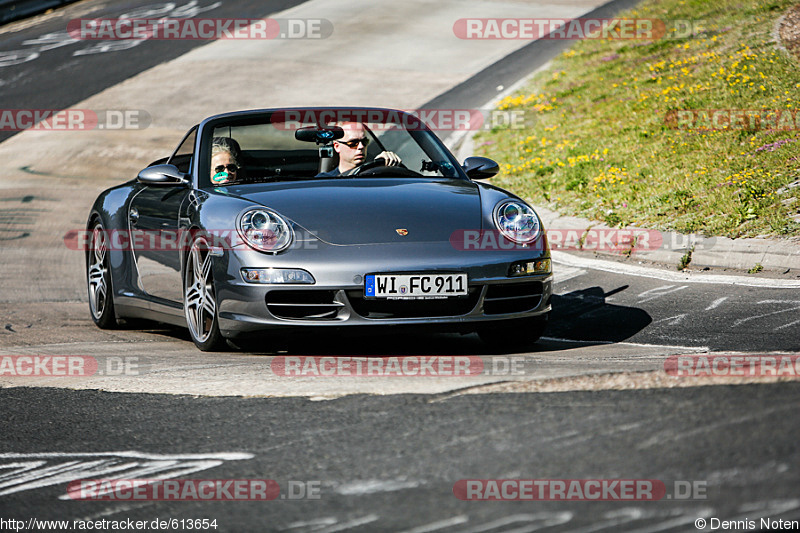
(621,134)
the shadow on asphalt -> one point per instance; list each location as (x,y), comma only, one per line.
(583,316)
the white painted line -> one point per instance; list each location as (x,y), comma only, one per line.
(614,520)
(743,320)
(772,508)
(778,506)
(36,473)
(671,320)
(535,522)
(575,341)
(681,520)
(441,524)
(787,325)
(674,346)
(351,524)
(658,292)
(661,439)
(110,511)
(716,303)
(563,258)
(374,486)
(235,456)
(315,523)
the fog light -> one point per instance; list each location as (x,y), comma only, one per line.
(542,266)
(526,268)
(277,275)
(518,269)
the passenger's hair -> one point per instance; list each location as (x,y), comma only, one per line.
(225,144)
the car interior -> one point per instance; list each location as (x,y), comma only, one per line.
(269,151)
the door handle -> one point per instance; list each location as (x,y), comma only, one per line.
(133,214)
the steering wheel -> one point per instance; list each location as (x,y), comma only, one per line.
(377,166)
(375,163)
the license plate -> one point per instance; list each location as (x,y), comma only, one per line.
(415,286)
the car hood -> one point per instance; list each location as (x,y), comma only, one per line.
(351,211)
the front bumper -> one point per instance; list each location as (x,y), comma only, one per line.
(336,298)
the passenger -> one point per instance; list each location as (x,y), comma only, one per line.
(225,154)
(352,150)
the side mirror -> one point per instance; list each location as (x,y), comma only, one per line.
(162,175)
(480,167)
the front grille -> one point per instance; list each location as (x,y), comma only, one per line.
(383,308)
(512,297)
(303,305)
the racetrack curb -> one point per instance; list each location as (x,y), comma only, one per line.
(774,256)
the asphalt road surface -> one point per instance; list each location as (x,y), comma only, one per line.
(390,463)
(354,453)
(668,308)
(43,67)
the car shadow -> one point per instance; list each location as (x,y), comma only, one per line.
(582,316)
(586,315)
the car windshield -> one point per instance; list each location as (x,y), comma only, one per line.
(299,145)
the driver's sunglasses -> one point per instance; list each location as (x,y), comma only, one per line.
(353,143)
(229,168)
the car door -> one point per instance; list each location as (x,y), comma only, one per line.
(156,229)
(154,218)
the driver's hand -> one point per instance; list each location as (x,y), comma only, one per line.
(391,158)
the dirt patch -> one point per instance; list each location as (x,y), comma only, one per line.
(620,381)
(64,323)
(789,31)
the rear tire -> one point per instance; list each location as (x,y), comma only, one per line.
(199,298)
(98,280)
(514,334)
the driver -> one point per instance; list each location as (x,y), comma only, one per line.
(352,150)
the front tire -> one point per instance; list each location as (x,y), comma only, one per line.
(514,334)
(199,298)
(98,280)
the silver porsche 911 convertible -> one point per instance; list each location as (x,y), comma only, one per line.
(282,219)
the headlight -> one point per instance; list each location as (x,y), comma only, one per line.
(265,231)
(517,221)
